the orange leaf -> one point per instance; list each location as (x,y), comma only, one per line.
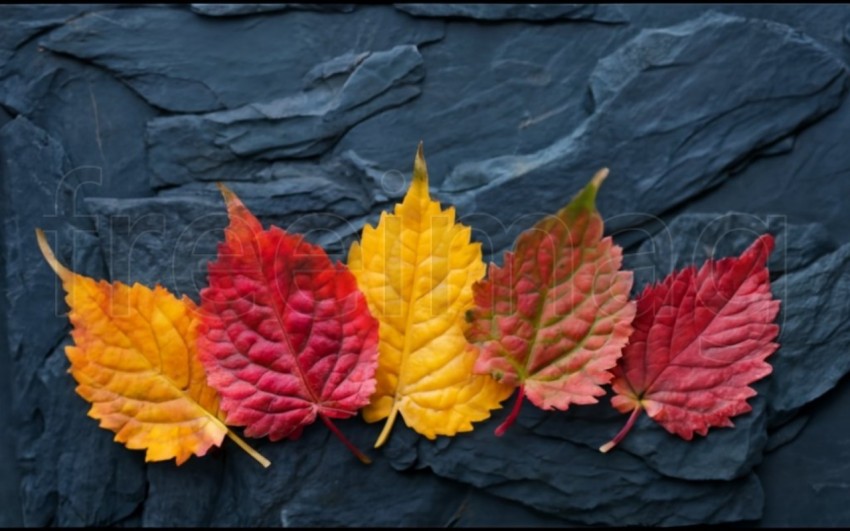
(134,358)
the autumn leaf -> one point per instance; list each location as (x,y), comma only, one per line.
(135,360)
(416,268)
(701,338)
(286,336)
(554,319)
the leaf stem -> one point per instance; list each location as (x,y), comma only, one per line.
(605,448)
(356,451)
(503,427)
(250,451)
(388,426)
(61,271)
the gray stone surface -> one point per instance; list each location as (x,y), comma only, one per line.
(786,433)
(718,123)
(724,454)
(231,10)
(95,117)
(659,115)
(528,12)
(572,480)
(527,82)
(179,230)
(805,481)
(9,497)
(693,238)
(815,340)
(804,181)
(567,480)
(20,23)
(71,473)
(243,141)
(38,192)
(229,62)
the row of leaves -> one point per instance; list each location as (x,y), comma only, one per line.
(411,327)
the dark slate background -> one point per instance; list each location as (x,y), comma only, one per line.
(718,123)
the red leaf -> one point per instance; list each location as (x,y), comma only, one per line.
(554,319)
(700,339)
(286,336)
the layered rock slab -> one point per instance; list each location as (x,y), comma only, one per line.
(675,108)
(241,142)
(180,62)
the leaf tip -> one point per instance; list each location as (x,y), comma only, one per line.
(768,241)
(599,177)
(585,199)
(226,192)
(420,169)
(605,448)
(237,211)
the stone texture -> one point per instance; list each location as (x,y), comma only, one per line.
(802,185)
(71,473)
(527,82)
(243,141)
(9,497)
(95,117)
(20,23)
(693,238)
(528,12)
(786,433)
(232,10)
(696,114)
(824,23)
(657,99)
(480,509)
(5,117)
(35,165)
(177,233)
(721,455)
(226,63)
(815,339)
(805,481)
(581,485)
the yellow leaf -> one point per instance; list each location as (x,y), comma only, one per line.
(417,268)
(134,359)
